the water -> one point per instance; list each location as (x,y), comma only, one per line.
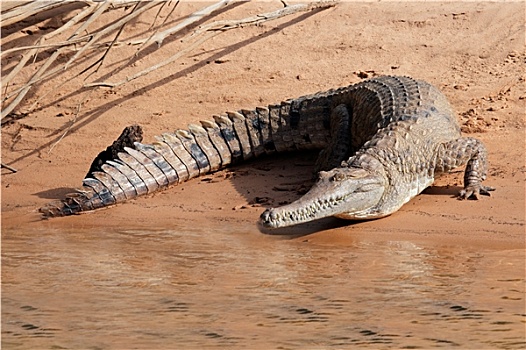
(112,289)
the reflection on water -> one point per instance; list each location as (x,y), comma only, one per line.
(167,289)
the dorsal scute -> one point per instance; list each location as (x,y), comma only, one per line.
(208,124)
(222,119)
(196,129)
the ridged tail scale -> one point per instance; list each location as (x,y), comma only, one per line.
(176,157)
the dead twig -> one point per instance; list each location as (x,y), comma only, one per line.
(210,30)
(194,17)
(39,43)
(20,13)
(84,38)
(40,74)
(136,12)
(100,61)
(156,66)
(17,11)
(156,31)
(8,167)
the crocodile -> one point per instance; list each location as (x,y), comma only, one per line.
(382,140)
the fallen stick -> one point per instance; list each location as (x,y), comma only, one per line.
(8,167)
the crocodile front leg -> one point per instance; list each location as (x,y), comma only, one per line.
(339,146)
(469,151)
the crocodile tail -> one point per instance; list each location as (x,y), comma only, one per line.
(128,168)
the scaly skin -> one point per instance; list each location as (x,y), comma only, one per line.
(383,141)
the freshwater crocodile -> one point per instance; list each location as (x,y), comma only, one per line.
(382,142)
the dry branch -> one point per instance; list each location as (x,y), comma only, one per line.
(17,11)
(194,17)
(210,30)
(38,76)
(30,8)
(85,37)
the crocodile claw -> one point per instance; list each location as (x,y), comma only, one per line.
(474,191)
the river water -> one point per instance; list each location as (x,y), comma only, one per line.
(186,289)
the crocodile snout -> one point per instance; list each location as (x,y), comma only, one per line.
(267,218)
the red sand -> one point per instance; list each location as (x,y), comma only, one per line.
(474,52)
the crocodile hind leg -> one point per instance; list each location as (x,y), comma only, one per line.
(339,146)
(128,137)
(469,151)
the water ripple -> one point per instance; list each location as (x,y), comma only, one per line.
(165,289)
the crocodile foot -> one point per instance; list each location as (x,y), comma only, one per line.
(474,191)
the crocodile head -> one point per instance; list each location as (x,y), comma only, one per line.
(347,193)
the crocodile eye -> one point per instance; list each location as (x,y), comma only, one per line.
(338,177)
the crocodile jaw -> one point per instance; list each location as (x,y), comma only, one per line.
(348,193)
